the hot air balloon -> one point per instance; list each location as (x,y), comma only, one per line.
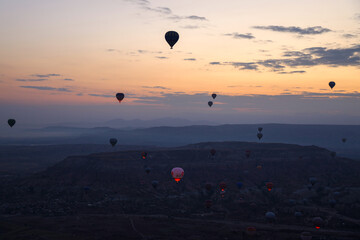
(222,186)
(305,236)
(147,170)
(177,173)
(247,153)
(318,222)
(212,152)
(343,140)
(259,135)
(155,184)
(113,141)
(251,231)
(171,38)
(213,95)
(208,203)
(269,186)
(11,122)
(239,185)
(210,103)
(298,214)
(208,187)
(260,129)
(332,202)
(270,216)
(120,97)
(143,155)
(332,84)
(312,180)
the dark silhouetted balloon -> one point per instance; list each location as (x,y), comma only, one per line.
(212,152)
(312,180)
(208,186)
(247,153)
(298,214)
(270,216)
(251,231)
(120,97)
(210,103)
(147,170)
(332,202)
(344,140)
(155,184)
(269,186)
(213,95)
(113,141)
(259,135)
(332,84)
(171,38)
(318,222)
(208,203)
(177,173)
(11,122)
(260,129)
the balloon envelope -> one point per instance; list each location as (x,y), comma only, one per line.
(171,38)
(270,215)
(213,95)
(177,173)
(260,129)
(269,186)
(11,122)
(143,155)
(210,103)
(332,84)
(222,186)
(212,152)
(259,135)
(120,97)
(318,222)
(113,141)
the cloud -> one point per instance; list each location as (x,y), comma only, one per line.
(306,58)
(348,35)
(68,79)
(165,11)
(79,94)
(292,72)
(161,57)
(292,29)
(31,80)
(189,59)
(101,95)
(194,17)
(240,36)
(157,87)
(46,75)
(47,88)
(191,27)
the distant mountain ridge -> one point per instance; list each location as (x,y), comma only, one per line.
(328,136)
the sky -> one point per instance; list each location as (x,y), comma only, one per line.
(268,61)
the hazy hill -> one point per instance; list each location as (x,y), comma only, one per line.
(328,136)
(114,185)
